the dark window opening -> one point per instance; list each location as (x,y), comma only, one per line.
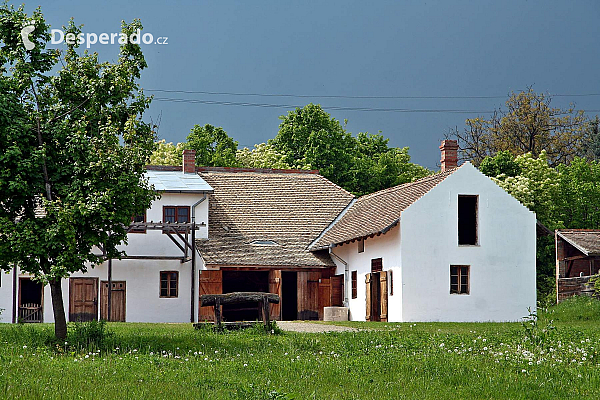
(244,281)
(138,218)
(467,220)
(354,284)
(459,279)
(289,297)
(376,265)
(169,283)
(361,245)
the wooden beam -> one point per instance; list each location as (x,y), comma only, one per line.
(237,297)
(572,258)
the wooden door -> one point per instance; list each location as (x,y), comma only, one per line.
(324,295)
(308,295)
(275,287)
(337,290)
(117,308)
(83,299)
(211,282)
(383,291)
(374,297)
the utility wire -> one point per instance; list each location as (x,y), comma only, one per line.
(352,97)
(334,108)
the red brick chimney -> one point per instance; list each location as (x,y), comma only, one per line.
(449,150)
(189,161)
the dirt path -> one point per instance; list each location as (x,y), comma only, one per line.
(311,327)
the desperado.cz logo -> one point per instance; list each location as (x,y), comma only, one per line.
(57,36)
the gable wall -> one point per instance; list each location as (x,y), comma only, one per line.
(502,265)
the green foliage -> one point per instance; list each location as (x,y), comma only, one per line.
(537,334)
(592,140)
(503,163)
(92,335)
(214,148)
(167,153)
(73,145)
(310,138)
(579,199)
(263,156)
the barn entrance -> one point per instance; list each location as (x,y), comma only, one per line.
(30,300)
(289,298)
(243,281)
(376,292)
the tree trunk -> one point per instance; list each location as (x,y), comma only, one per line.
(60,321)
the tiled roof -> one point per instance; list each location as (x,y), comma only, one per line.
(176,181)
(585,240)
(378,212)
(250,207)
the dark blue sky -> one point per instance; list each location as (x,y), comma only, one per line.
(351,48)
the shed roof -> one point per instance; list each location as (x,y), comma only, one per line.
(177,181)
(585,240)
(269,219)
(378,212)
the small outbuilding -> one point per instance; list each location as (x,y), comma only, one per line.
(577,260)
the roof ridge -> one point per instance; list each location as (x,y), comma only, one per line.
(408,184)
(259,170)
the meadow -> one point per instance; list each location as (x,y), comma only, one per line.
(554,356)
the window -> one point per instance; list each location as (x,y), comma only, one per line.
(361,246)
(138,218)
(176,214)
(459,279)
(168,283)
(467,220)
(376,265)
(354,284)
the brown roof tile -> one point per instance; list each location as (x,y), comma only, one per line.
(290,209)
(378,212)
(585,240)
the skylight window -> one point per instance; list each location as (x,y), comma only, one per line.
(264,243)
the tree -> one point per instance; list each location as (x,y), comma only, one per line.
(529,125)
(309,136)
(377,166)
(592,140)
(214,148)
(262,156)
(73,151)
(167,153)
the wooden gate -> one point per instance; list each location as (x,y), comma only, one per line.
(211,282)
(117,309)
(275,287)
(83,299)
(308,295)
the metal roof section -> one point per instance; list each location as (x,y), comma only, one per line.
(177,182)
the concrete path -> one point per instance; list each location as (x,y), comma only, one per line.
(310,327)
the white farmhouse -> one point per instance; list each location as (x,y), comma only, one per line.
(453,246)
(449,247)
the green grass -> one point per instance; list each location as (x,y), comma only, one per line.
(555,358)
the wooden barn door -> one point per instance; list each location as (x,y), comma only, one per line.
(117,308)
(308,295)
(83,299)
(324,295)
(211,282)
(337,290)
(275,287)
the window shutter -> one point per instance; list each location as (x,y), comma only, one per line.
(384,296)
(368,297)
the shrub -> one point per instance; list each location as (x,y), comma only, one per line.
(92,334)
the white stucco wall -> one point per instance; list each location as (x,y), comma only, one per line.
(143,302)
(386,247)
(502,265)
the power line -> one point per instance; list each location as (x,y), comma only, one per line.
(334,108)
(351,97)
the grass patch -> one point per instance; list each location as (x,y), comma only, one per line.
(405,360)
